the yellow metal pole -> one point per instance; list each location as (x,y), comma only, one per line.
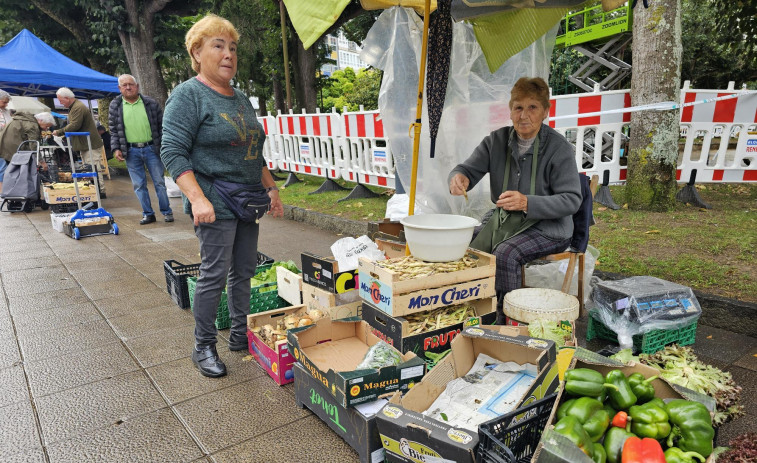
(419,108)
(416,126)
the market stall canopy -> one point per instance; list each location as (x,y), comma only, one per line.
(28,66)
(27,104)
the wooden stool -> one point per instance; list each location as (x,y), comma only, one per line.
(572,257)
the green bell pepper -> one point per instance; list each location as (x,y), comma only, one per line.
(571,428)
(649,420)
(642,387)
(621,396)
(590,413)
(676,455)
(692,427)
(614,440)
(600,456)
(584,382)
(657,401)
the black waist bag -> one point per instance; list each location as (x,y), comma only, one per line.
(248,202)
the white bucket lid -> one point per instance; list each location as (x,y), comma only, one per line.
(529,304)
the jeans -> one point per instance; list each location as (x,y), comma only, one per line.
(136,160)
(229,253)
(3,166)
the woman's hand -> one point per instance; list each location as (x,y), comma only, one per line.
(458,185)
(203,211)
(277,207)
(513,201)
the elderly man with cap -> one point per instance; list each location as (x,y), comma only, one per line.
(5,113)
(136,127)
(81,120)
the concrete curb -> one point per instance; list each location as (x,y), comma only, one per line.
(719,312)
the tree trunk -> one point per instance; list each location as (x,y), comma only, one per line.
(653,150)
(305,77)
(278,94)
(263,104)
(139,46)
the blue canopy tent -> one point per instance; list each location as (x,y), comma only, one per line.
(30,67)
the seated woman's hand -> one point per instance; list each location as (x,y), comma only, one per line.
(203,211)
(513,201)
(458,185)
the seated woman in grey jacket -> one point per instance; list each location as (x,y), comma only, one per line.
(534,195)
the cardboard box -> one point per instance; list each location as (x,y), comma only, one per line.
(391,248)
(68,195)
(360,432)
(557,448)
(395,331)
(290,285)
(409,436)
(276,362)
(330,352)
(337,306)
(383,288)
(324,273)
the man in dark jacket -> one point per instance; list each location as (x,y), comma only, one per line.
(136,127)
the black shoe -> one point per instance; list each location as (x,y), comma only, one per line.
(207,361)
(103,195)
(147,219)
(168,218)
(238,343)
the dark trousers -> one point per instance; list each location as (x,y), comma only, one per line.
(229,250)
(519,250)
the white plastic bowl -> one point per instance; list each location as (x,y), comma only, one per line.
(438,237)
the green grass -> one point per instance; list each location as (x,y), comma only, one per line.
(712,250)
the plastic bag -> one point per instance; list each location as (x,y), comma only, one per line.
(476,103)
(380,355)
(637,305)
(347,251)
(172,188)
(398,206)
(547,274)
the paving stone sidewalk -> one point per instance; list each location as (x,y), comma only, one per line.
(95,356)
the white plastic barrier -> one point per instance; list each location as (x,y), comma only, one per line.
(271,151)
(367,157)
(311,143)
(727,130)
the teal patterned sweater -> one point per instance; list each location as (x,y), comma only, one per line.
(215,135)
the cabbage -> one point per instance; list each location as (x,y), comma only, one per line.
(549,329)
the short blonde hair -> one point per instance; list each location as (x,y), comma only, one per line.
(209,26)
(535,88)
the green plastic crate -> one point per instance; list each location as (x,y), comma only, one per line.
(263,297)
(647,343)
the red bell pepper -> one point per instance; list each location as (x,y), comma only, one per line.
(645,450)
(620,420)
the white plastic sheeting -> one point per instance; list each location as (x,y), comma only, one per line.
(475,105)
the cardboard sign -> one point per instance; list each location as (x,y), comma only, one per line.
(323,272)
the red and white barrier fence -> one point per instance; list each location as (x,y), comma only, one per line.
(718,128)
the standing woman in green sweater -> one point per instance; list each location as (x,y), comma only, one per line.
(211,135)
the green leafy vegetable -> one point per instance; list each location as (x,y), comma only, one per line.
(269,276)
(380,355)
(625,356)
(680,366)
(549,329)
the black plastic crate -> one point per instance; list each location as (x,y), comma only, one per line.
(177,274)
(513,438)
